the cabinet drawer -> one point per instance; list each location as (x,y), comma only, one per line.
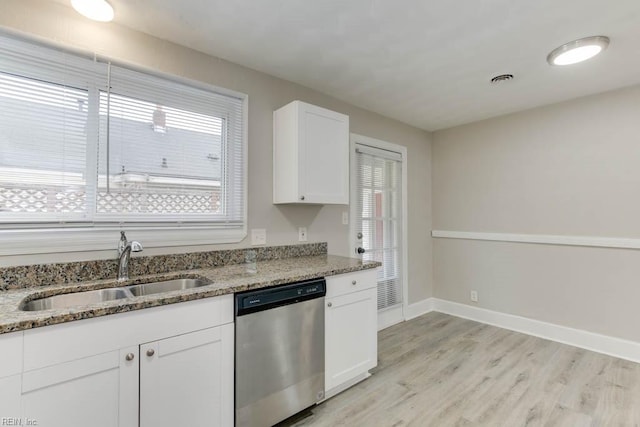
(351,282)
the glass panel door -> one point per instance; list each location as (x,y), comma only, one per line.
(378,218)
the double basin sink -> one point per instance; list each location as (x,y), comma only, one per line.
(112,294)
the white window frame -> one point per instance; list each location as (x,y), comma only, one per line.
(28,238)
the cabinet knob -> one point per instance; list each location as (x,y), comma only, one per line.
(353,282)
(151,352)
(301,197)
(329,304)
(360,250)
(129,357)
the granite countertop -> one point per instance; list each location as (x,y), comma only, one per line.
(226,280)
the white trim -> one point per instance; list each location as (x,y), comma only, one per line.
(51,241)
(611,346)
(419,308)
(388,146)
(546,239)
(390,316)
(342,387)
(616,347)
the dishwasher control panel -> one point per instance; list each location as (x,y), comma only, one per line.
(264,299)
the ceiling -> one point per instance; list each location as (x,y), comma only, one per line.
(424,62)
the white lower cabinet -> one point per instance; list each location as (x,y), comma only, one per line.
(185,380)
(10,397)
(10,376)
(173,366)
(351,342)
(100,391)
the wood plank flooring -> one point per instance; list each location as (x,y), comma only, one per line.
(440,370)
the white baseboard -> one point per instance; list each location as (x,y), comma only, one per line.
(611,346)
(389,317)
(616,347)
(419,308)
(342,387)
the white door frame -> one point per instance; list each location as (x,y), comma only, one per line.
(388,319)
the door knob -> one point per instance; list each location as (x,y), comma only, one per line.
(129,357)
(360,250)
(150,352)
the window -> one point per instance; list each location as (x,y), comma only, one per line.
(89,148)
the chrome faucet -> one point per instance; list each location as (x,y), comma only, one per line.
(124,254)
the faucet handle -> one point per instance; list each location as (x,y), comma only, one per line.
(136,246)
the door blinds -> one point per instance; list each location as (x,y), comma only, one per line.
(379,214)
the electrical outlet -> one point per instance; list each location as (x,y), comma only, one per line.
(258,236)
(474,296)
(302,234)
(345,218)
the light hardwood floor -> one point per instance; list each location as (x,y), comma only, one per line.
(440,370)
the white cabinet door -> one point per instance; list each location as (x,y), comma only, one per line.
(351,342)
(324,155)
(10,376)
(10,389)
(187,380)
(311,155)
(97,391)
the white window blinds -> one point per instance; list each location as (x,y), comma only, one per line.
(44,103)
(82,141)
(169,152)
(379,215)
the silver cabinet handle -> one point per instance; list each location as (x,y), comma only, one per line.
(329,304)
(129,357)
(353,282)
(151,352)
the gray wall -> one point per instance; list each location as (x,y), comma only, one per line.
(51,21)
(567,169)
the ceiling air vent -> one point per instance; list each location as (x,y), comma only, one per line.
(502,78)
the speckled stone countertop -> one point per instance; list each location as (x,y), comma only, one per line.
(226,279)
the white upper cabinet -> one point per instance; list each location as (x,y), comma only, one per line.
(310,155)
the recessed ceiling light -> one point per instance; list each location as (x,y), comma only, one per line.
(98,10)
(578,50)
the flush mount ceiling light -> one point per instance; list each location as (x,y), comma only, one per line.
(578,50)
(98,10)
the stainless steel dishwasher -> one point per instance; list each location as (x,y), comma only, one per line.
(279,352)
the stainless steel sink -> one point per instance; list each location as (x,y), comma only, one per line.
(76,299)
(167,286)
(112,294)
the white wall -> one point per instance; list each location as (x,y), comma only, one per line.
(55,22)
(566,169)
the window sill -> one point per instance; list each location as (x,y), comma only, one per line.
(56,240)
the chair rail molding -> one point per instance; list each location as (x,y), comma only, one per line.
(544,239)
